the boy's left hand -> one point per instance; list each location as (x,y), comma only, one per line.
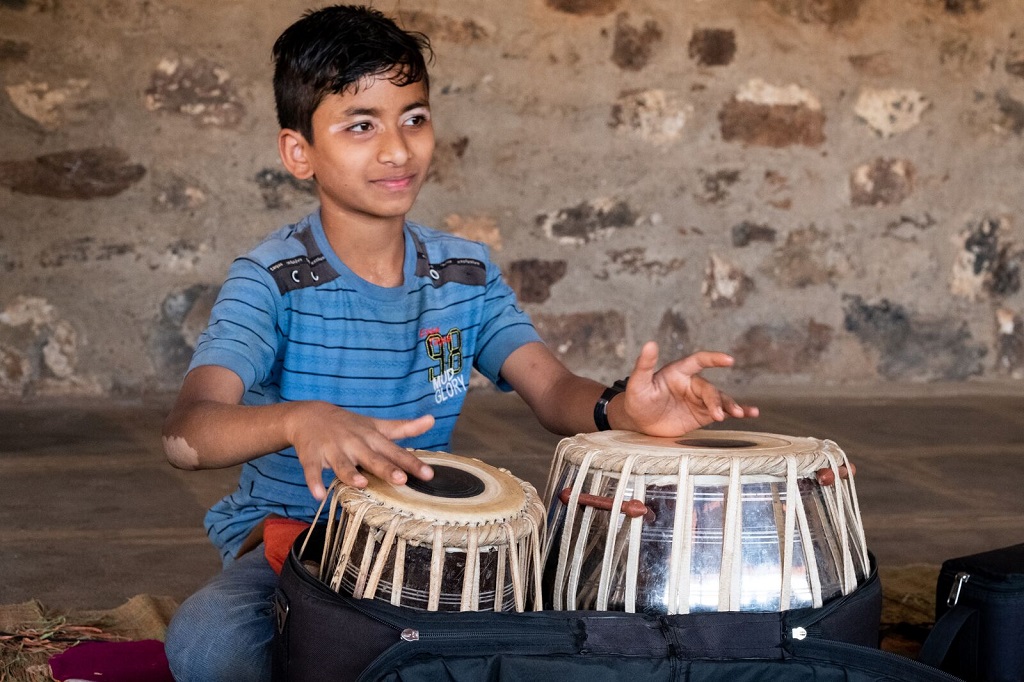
(675,399)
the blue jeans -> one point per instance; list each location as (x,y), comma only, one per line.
(224,631)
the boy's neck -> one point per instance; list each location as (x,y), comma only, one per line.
(373,249)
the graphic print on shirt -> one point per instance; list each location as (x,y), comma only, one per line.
(445,350)
(305,270)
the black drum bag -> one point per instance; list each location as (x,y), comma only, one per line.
(323,635)
(979,607)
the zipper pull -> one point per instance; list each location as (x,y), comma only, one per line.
(958,583)
(410,635)
(799,633)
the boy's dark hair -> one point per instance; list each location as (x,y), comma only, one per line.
(332,49)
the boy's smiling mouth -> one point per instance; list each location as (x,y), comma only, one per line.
(397,183)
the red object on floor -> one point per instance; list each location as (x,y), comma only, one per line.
(138,661)
(278,537)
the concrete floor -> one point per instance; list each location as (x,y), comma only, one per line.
(91,515)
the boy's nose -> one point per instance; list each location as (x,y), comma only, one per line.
(393,148)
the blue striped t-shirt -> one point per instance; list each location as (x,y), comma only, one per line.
(296,324)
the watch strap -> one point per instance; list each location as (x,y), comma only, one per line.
(601,408)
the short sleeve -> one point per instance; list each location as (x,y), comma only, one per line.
(242,335)
(506,327)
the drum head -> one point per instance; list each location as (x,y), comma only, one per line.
(706,441)
(463,491)
(704,445)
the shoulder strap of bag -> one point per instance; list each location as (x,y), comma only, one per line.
(940,639)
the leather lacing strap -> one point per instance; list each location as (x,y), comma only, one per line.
(471,577)
(370,586)
(499,579)
(633,553)
(346,549)
(732,543)
(682,552)
(567,536)
(789,526)
(436,569)
(611,545)
(517,583)
(398,577)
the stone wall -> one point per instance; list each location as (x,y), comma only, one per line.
(828,189)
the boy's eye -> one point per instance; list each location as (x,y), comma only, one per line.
(417,120)
(361,127)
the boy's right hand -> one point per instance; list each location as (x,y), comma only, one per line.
(328,437)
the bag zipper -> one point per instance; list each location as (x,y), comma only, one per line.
(958,584)
(901,667)
(427,631)
(805,635)
(416,639)
(989,584)
(991,579)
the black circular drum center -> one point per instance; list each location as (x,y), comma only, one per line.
(448,482)
(731,443)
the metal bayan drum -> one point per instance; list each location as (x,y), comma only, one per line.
(699,523)
(468,539)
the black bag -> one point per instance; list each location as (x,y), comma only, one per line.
(323,635)
(979,611)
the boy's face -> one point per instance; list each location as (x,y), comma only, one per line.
(371,149)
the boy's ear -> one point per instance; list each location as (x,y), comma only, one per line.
(292,147)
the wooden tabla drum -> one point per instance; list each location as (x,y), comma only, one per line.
(712,521)
(467,540)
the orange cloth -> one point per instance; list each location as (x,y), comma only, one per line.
(278,537)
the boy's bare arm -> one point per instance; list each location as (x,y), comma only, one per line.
(667,402)
(562,401)
(207,428)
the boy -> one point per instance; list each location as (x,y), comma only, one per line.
(328,340)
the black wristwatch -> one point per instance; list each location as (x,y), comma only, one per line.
(601,408)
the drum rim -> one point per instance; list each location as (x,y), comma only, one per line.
(652,454)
